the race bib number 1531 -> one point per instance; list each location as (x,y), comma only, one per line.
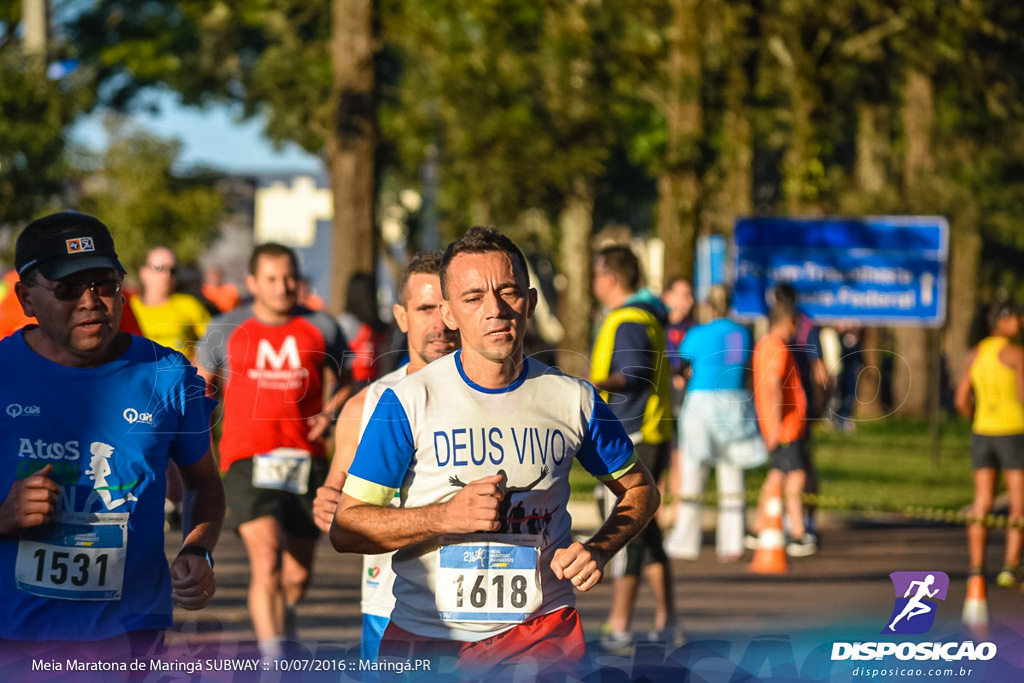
(79,557)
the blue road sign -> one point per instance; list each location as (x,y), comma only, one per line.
(887,270)
(711,264)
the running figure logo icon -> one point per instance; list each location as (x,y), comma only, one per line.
(914,611)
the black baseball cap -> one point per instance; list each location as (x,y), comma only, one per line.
(64,243)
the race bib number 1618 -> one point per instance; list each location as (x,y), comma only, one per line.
(489,580)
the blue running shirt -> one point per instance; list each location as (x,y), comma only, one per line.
(719,355)
(98,570)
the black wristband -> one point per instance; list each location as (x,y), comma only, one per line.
(197,550)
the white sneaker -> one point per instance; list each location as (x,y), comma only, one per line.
(802,547)
(672,636)
(617,643)
(678,550)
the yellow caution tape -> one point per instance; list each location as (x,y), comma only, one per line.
(917,512)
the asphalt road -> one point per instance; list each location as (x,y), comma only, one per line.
(843,593)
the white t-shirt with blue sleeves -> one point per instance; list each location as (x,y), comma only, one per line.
(437,431)
(377,597)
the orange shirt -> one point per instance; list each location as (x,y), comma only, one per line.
(773,360)
(13,318)
(224,297)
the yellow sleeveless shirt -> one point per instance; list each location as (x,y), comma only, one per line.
(657,422)
(997,408)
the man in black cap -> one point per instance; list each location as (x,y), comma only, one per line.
(89,418)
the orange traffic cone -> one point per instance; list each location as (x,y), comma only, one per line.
(770,556)
(976,606)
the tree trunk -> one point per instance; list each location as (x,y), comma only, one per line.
(871,178)
(801,169)
(576,224)
(918,121)
(738,186)
(677,221)
(869,383)
(964,262)
(678,184)
(35,26)
(352,145)
(910,370)
(799,194)
(732,178)
(873,146)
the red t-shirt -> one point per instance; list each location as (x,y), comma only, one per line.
(368,348)
(274,379)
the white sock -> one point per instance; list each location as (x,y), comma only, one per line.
(271,649)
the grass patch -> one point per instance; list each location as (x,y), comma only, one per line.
(886,465)
(889,464)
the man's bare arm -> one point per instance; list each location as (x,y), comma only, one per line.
(320,424)
(205,495)
(192,580)
(774,390)
(335,401)
(363,528)
(637,500)
(346,440)
(614,382)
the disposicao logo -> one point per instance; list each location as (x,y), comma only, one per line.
(916,593)
(912,614)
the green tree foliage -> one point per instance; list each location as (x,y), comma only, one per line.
(515,94)
(138,191)
(271,57)
(732,106)
(508,89)
(35,112)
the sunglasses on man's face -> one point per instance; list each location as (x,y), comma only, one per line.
(72,291)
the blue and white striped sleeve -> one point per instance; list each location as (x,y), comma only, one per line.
(385,451)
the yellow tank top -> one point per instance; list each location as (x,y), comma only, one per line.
(997,408)
(178,323)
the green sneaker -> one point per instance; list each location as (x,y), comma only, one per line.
(1010,577)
